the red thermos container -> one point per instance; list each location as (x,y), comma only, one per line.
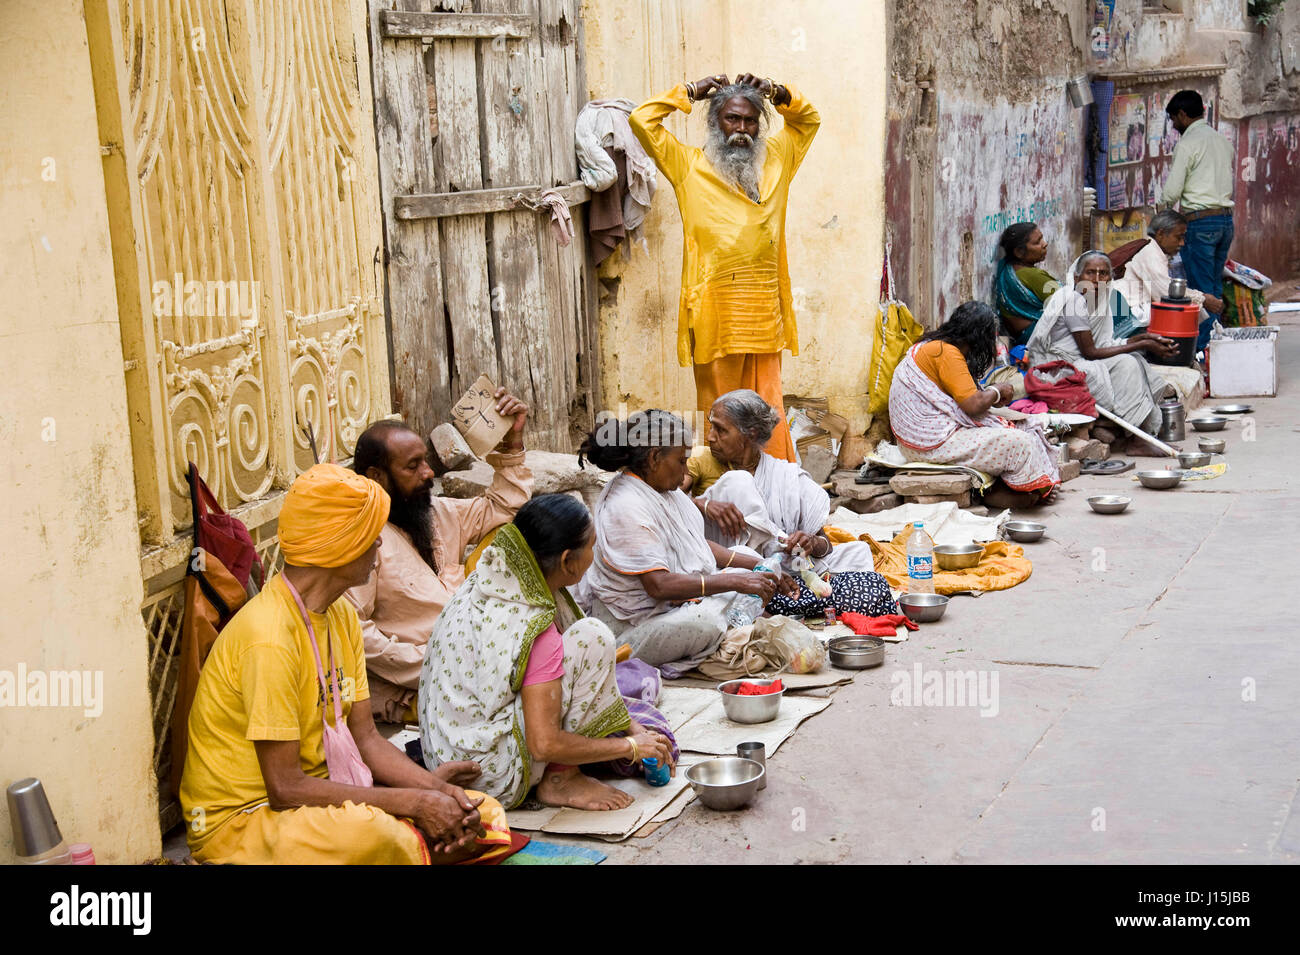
(1177,319)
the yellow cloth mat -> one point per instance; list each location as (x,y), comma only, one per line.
(1001,566)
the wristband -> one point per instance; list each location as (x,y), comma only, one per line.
(702,585)
(636,753)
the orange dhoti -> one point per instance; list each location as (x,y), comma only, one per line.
(760,373)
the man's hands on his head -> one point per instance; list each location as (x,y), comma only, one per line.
(705,87)
(778,93)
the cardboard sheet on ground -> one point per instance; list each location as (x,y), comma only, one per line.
(711,732)
(794,682)
(650,802)
(889,456)
(946,523)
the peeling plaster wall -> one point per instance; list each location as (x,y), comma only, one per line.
(981,134)
(72,572)
(834,52)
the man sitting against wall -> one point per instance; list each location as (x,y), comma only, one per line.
(421,560)
(285,764)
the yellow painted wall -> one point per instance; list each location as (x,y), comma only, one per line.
(71,571)
(834,52)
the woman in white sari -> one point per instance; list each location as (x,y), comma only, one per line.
(656,580)
(757,500)
(1078,326)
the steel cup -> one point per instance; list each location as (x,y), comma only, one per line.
(758,753)
(34,825)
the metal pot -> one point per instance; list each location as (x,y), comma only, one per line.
(1173,421)
(1177,289)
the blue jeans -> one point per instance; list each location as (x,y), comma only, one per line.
(1208,241)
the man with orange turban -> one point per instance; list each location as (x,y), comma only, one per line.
(285,764)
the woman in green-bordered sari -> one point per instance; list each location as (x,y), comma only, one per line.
(1020,288)
(517,679)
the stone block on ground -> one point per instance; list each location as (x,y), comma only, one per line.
(846,486)
(1105,433)
(961,500)
(450,447)
(854,450)
(881,503)
(554,473)
(1081,450)
(1071,470)
(912,485)
(469,482)
(818,461)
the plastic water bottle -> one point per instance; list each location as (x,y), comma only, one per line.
(745,608)
(920,561)
(655,774)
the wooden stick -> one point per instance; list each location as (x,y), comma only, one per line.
(1138,432)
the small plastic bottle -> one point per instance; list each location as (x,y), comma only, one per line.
(745,608)
(920,561)
(655,774)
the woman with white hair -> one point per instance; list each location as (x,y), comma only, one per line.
(751,498)
(1078,326)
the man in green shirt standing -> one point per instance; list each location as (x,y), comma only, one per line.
(1200,181)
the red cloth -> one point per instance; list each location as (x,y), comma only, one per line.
(1067,395)
(882,626)
(754,689)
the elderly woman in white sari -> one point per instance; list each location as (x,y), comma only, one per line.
(660,585)
(940,415)
(515,678)
(749,497)
(1078,326)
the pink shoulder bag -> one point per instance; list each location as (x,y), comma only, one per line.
(342,758)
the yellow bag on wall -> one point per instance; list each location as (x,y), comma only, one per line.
(896,332)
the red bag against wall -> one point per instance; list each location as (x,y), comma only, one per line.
(1062,387)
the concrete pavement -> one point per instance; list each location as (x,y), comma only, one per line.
(1148,696)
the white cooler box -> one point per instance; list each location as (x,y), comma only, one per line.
(1244,364)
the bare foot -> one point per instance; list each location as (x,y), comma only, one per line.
(1001,496)
(571,788)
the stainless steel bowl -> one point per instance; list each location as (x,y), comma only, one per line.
(923,608)
(749,709)
(1026,532)
(1210,423)
(1193,459)
(958,556)
(856,653)
(1212,445)
(1160,480)
(1232,409)
(727,782)
(1109,503)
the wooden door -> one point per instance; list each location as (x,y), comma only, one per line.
(475,107)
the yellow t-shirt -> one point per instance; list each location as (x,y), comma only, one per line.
(705,469)
(259,683)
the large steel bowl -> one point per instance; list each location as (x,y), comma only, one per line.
(1109,503)
(727,782)
(1212,445)
(1193,459)
(1025,532)
(1160,480)
(923,608)
(749,709)
(1210,423)
(958,556)
(856,653)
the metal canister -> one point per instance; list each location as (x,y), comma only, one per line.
(1173,421)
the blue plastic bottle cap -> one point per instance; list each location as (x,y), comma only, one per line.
(650,762)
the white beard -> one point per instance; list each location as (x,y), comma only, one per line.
(737,164)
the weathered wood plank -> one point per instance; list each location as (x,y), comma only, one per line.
(401,24)
(467,282)
(413,262)
(514,141)
(480,201)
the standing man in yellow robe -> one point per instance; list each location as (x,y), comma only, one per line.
(736,314)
